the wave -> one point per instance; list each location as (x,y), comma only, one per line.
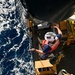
(15,40)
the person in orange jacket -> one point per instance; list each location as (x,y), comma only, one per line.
(50,43)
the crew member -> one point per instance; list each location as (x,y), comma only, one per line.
(50,43)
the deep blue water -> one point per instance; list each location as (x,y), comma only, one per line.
(15,40)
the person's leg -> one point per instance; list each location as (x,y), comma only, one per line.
(46,55)
(43,56)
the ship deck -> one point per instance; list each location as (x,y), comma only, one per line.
(67,63)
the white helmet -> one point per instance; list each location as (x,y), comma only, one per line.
(50,36)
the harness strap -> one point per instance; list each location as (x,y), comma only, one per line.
(54,46)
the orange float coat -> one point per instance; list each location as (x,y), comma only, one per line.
(53,46)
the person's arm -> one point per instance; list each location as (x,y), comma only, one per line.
(57,27)
(37,50)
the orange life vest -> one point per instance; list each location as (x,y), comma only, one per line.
(53,47)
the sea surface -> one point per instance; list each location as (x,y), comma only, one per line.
(15,41)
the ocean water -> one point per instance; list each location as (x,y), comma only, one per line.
(15,41)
